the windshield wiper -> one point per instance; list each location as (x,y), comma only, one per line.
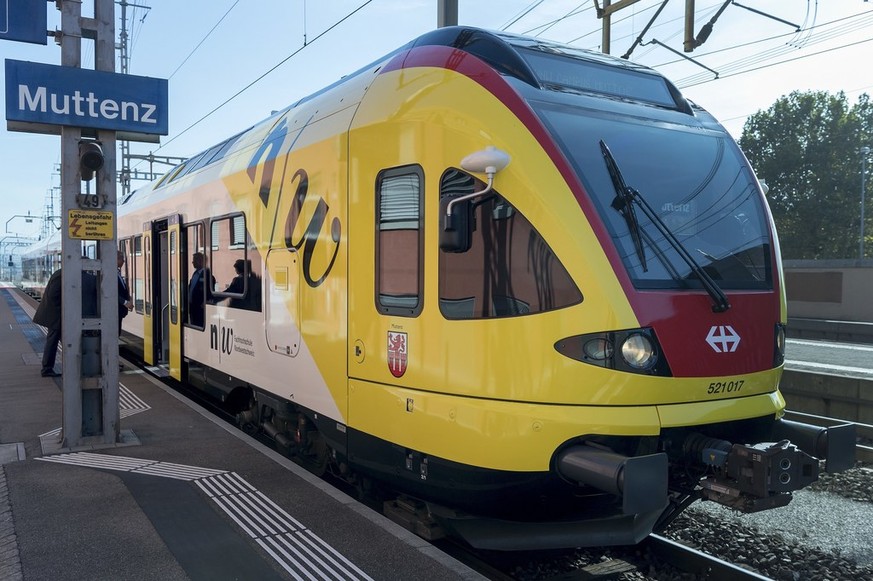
(623,202)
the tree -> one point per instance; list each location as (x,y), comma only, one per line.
(806,147)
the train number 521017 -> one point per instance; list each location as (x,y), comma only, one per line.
(725,386)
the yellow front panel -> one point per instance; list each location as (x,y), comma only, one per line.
(490,434)
(690,414)
(463,376)
(434,118)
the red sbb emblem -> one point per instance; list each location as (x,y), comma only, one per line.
(397,353)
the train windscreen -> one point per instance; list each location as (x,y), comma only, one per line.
(694,179)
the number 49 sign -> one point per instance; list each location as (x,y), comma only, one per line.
(89,201)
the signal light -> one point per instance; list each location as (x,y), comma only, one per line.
(90,159)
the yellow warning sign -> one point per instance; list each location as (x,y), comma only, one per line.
(90,225)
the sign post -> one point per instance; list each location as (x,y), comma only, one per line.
(87,109)
(90,363)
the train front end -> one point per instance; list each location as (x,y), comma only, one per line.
(674,353)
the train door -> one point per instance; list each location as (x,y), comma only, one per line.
(282,307)
(158,238)
(386,283)
(162,295)
(174,312)
(148,330)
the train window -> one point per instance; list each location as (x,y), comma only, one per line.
(236,234)
(583,75)
(172,174)
(138,269)
(195,296)
(147,271)
(124,248)
(174,277)
(237,276)
(509,269)
(399,244)
(188,166)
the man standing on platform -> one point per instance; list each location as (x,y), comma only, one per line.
(48,314)
(124,303)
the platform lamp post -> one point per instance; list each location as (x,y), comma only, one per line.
(28,218)
(865,151)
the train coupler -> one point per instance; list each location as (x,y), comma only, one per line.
(758,477)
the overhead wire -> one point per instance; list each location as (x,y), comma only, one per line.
(863,21)
(797,58)
(524,12)
(270,70)
(136,26)
(202,40)
(546,26)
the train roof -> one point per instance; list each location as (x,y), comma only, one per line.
(51,244)
(536,62)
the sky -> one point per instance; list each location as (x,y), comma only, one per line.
(229,63)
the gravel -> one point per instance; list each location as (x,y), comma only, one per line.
(824,534)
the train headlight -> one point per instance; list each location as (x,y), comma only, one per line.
(779,347)
(638,351)
(599,348)
(630,350)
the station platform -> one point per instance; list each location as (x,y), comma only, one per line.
(184,497)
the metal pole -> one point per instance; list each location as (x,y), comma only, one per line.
(865,151)
(447,13)
(71,254)
(90,397)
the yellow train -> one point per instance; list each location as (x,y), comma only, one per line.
(531,287)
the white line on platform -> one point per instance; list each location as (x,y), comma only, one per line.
(296,548)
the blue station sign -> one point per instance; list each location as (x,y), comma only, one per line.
(43,95)
(24,21)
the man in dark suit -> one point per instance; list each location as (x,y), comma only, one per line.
(48,314)
(124,303)
(199,290)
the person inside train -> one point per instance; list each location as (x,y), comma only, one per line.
(252,298)
(199,293)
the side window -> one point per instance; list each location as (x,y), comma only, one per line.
(147,272)
(399,234)
(237,275)
(174,277)
(196,287)
(138,286)
(509,269)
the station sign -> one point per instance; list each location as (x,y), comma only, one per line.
(40,96)
(24,21)
(90,225)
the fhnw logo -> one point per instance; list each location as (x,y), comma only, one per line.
(723,338)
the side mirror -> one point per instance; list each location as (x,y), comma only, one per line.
(456,212)
(455,228)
